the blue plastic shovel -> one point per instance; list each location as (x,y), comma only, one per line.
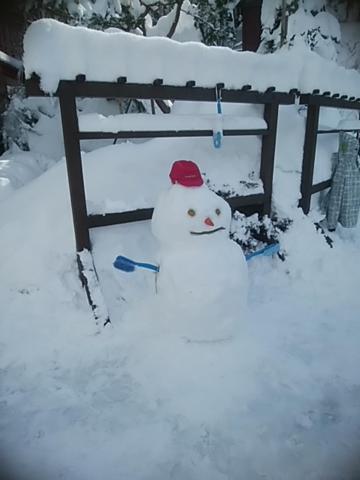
(266,251)
(127,265)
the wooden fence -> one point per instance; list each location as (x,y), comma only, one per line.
(314,102)
(68,91)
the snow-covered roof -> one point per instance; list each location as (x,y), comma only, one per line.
(56,51)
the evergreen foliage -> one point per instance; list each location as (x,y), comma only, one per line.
(213,18)
(215,21)
(18,119)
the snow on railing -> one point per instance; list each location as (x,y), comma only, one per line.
(142,121)
(56,51)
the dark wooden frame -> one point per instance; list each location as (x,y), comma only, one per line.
(69,90)
(314,102)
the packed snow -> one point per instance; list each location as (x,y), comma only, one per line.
(159,393)
(280,400)
(233,169)
(77,50)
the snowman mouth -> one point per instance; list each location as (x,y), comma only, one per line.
(208,232)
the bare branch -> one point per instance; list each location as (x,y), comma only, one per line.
(176,19)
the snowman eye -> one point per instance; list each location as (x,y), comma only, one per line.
(191,212)
(218,211)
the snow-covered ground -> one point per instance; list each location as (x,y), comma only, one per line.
(136,400)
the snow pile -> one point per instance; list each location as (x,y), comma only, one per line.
(17,168)
(77,50)
(133,175)
(41,142)
(280,400)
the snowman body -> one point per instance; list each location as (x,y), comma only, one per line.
(202,271)
(211,274)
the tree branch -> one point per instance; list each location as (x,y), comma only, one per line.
(176,19)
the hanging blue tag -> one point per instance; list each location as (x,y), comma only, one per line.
(217,139)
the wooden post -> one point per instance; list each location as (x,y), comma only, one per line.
(268,153)
(312,123)
(74,166)
(251,24)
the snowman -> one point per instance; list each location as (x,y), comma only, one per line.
(202,272)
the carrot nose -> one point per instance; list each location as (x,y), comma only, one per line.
(209,222)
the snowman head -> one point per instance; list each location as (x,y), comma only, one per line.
(189,213)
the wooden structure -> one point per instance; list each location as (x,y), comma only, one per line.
(68,91)
(314,102)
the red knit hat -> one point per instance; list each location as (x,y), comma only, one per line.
(186,173)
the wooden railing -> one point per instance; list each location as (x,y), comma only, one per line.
(68,91)
(314,102)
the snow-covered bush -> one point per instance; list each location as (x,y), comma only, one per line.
(18,119)
(208,21)
(309,20)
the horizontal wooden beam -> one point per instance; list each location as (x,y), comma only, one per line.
(338,130)
(318,187)
(161,92)
(241,203)
(167,134)
(246,200)
(118,218)
(325,101)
